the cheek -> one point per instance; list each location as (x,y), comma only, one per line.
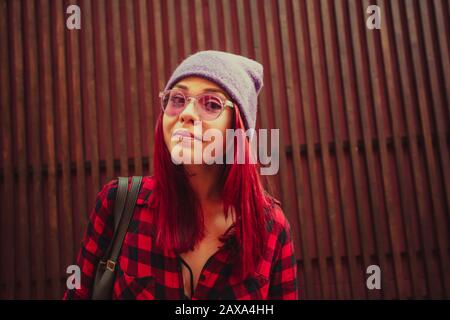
(167,125)
(224,121)
(221,124)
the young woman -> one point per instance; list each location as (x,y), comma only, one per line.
(200,230)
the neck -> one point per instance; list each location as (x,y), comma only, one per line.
(204,180)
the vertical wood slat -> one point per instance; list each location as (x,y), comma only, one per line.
(388,178)
(207,23)
(438,93)
(215,33)
(308,98)
(228,34)
(144,79)
(88,93)
(376,186)
(280,111)
(103,96)
(441,212)
(242,25)
(73,124)
(49,192)
(184,4)
(418,62)
(161,63)
(172,36)
(363,115)
(350,97)
(62,128)
(75,83)
(179,40)
(286,23)
(34,136)
(130,78)
(419,184)
(322,101)
(259,44)
(20,142)
(357,290)
(166,30)
(117,64)
(272,48)
(442,23)
(393,91)
(200,26)
(7,217)
(155,61)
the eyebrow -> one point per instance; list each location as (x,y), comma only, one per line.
(181,86)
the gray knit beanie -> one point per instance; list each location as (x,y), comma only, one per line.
(239,76)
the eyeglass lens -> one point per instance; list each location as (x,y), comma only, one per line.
(174,102)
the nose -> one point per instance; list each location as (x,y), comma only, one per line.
(189,114)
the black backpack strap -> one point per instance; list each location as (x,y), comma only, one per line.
(125,202)
(122,190)
(121,225)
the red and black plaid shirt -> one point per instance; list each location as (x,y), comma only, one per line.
(145,271)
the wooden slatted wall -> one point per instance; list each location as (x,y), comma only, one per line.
(363,114)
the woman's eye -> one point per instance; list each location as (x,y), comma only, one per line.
(213,106)
(177,101)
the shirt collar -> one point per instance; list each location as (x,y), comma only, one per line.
(145,191)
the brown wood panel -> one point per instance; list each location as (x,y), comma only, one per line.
(293,98)
(130,77)
(405,64)
(50,182)
(7,218)
(344,189)
(75,81)
(22,247)
(416,38)
(215,33)
(89,92)
(63,108)
(200,26)
(36,222)
(395,102)
(395,236)
(374,164)
(359,177)
(144,81)
(335,232)
(440,127)
(103,96)
(442,23)
(364,123)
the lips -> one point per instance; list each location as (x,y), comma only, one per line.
(184,134)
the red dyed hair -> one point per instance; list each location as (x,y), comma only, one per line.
(178,219)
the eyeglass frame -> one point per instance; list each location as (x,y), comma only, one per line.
(224,103)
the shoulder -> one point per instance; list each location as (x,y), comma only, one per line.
(108,191)
(146,190)
(277,223)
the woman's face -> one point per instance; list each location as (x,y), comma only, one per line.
(189,117)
